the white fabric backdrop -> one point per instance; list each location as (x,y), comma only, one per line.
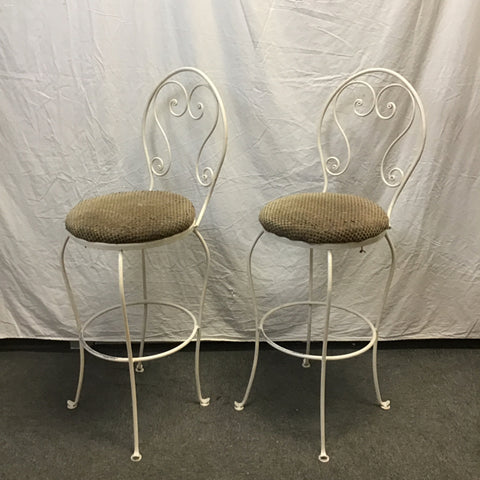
(75,76)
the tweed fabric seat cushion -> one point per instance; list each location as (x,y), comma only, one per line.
(130,217)
(324,218)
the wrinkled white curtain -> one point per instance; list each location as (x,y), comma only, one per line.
(75,76)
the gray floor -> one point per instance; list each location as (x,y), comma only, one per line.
(431,432)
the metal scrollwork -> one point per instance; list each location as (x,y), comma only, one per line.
(359,101)
(188,107)
(333,164)
(389,105)
(384,109)
(174,104)
(186,92)
(394,177)
(186,101)
(200,108)
(181,104)
(159,167)
(206,177)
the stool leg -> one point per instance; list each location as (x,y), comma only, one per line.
(323,457)
(72,404)
(136,456)
(204,401)
(306,361)
(139,368)
(385,404)
(240,405)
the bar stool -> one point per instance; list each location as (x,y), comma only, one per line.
(184,109)
(359,109)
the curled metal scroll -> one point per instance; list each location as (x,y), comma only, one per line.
(395,175)
(181,104)
(206,175)
(173,103)
(159,167)
(377,103)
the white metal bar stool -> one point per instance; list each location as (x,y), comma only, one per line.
(375,99)
(140,220)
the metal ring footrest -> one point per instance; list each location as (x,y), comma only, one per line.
(319,357)
(145,358)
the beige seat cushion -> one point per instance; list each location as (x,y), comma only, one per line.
(324,218)
(130,217)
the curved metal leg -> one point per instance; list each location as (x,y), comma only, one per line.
(306,361)
(385,404)
(139,368)
(240,405)
(136,455)
(323,457)
(204,401)
(72,404)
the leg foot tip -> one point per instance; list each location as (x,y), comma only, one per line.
(139,368)
(323,457)
(71,405)
(306,363)
(205,402)
(136,457)
(385,405)
(238,406)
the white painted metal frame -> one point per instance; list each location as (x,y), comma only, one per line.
(182,80)
(394,178)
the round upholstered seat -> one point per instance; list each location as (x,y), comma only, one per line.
(130,217)
(324,218)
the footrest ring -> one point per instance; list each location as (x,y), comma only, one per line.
(319,357)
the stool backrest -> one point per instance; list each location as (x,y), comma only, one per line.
(185,119)
(379,111)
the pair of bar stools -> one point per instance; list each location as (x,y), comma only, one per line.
(138,220)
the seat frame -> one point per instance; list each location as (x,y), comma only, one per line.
(158,166)
(394,178)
